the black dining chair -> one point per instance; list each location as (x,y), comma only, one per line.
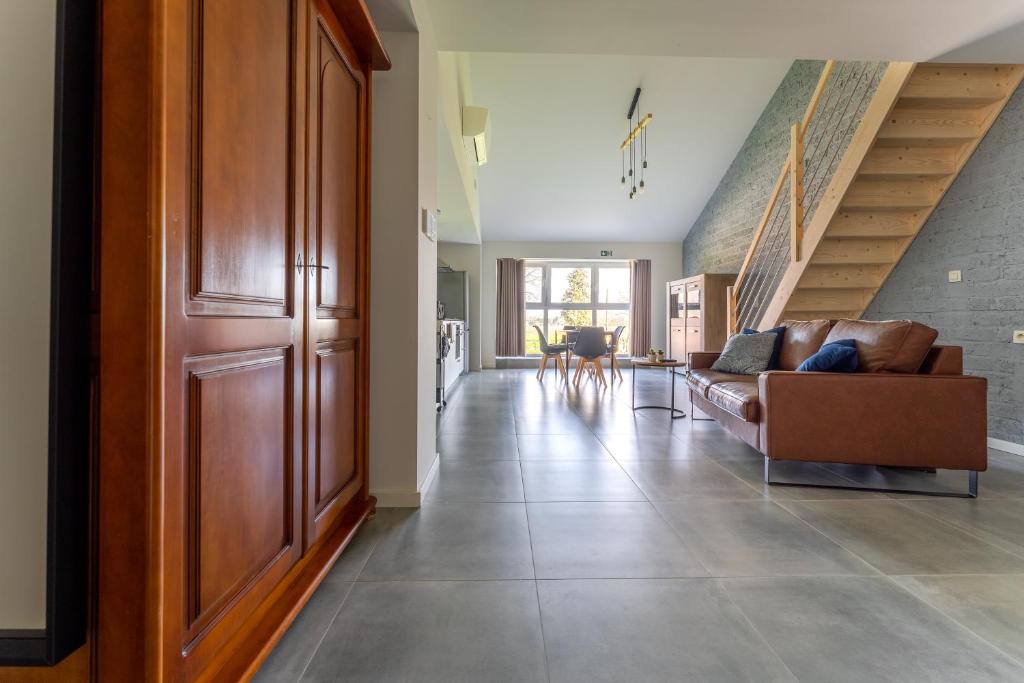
(549,351)
(590,348)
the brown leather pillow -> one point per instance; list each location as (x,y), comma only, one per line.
(802,340)
(886,345)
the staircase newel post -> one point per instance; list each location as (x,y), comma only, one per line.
(796,190)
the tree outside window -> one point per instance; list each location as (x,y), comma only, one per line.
(575,294)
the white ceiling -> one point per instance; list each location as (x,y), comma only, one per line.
(557,76)
(913,30)
(554,165)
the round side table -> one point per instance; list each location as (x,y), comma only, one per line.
(676,414)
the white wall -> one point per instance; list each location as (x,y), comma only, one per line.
(666,264)
(403,292)
(427,250)
(27,56)
(467,257)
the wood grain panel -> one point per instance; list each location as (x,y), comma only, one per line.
(335,421)
(241,89)
(239,475)
(337,198)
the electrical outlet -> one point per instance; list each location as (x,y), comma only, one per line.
(955,276)
(1018,336)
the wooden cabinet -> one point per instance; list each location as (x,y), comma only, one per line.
(697,314)
(233,465)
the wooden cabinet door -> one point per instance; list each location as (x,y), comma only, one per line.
(233,344)
(677,344)
(336,275)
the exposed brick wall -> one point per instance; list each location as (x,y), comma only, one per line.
(721,235)
(978,228)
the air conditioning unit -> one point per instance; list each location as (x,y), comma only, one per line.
(475,124)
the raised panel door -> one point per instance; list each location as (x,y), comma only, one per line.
(336,380)
(233,339)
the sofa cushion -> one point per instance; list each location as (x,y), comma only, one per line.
(746,354)
(835,356)
(802,340)
(738,398)
(701,380)
(780,334)
(886,345)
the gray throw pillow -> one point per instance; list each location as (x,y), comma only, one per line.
(746,354)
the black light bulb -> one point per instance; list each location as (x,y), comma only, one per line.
(645,163)
(623,180)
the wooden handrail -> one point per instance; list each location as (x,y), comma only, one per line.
(787,169)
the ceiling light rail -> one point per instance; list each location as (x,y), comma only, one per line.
(636,146)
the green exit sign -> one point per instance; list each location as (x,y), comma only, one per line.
(607,252)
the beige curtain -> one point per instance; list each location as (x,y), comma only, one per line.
(511,337)
(639,306)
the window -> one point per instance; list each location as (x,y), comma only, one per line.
(575,293)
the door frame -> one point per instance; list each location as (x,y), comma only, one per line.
(69,453)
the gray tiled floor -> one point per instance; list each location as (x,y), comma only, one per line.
(567,538)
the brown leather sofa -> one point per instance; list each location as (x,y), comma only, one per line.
(910,405)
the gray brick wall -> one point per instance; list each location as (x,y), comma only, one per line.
(978,228)
(721,235)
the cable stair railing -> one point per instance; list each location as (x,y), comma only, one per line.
(817,143)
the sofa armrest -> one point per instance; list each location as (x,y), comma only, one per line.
(701,360)
(875,418)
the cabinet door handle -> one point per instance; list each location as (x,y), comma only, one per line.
(299,265)
(313,267)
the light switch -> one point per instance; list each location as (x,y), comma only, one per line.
(1018,336)
(955,276)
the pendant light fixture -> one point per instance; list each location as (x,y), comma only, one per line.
(636,146)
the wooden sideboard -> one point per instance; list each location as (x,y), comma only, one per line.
(697,314)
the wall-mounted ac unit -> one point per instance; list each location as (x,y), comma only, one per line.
(475,124)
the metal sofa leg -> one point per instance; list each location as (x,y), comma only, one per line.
(972,485)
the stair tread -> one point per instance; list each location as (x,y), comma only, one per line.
(951,142)
(968,102)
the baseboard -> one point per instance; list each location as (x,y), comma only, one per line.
(407,498)
(396,498)
(1006,446)
(428,480)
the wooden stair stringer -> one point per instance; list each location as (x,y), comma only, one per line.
(859,153)
(896,76)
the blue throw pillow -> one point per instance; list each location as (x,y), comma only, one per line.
(773,362)
(837,356)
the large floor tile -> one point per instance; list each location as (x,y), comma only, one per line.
(991,606)
(295,650)
(756,538)
(843,629)
(456,446)
(358,551)
(577,480)
(434,632)
(918,482)
(480,422)
(997,520)
(750,468)
(687,480)
(650,446)
(651,630)
(455,541)
(497,481)
(606,540)
(581,446)
(898,540)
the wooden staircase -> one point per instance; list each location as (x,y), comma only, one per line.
(920,128)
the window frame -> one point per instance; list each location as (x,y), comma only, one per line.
(546,303)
